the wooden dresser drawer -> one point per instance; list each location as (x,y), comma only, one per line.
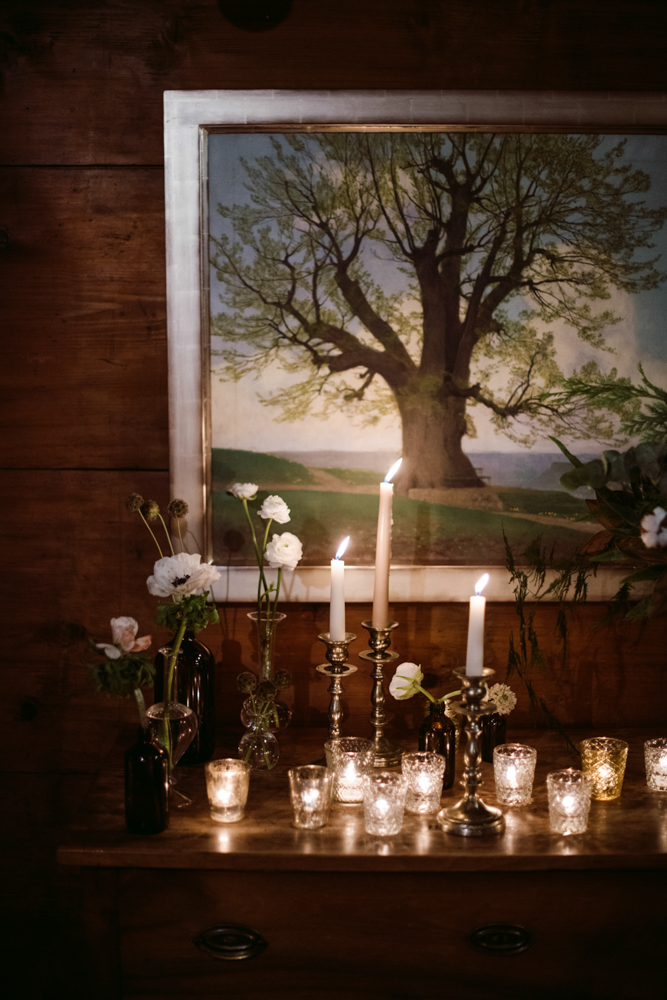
(355,935)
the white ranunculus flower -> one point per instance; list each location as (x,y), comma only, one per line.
(284,551)
(275,509)
(654,535)
(180,575)
(503,698)
(404,683)
(243,491)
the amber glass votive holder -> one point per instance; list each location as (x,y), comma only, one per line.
(423,773)
(384,803)
(569,794)
(603,760)
(310,794)
(350,758)
(514,772)
(227,782)
(655,757)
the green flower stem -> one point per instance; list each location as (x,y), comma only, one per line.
(168,692)
(259,556)
(275,603)
(141,708)
(151,531)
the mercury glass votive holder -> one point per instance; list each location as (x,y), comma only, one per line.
(514,772)
(655,757)
(350,758)
(603,760)
(227,782)
(569,794)
(384,803)
(310,794)
(423,773)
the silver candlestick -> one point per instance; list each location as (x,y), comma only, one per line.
(387,754)
(470,817)
(336,668)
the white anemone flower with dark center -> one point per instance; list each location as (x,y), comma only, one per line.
(180,575)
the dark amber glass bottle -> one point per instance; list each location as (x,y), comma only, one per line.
(494,728)
(146,786)
(195,687)
(438,734)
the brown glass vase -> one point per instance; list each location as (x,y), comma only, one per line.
(494,728)
(437,734)
(195,687)
(146,786)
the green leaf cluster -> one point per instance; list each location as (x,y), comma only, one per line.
(647,461)
(194,610)
(119,678)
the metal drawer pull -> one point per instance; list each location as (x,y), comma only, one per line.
(230,942)
(501,939)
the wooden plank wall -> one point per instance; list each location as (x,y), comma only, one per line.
(84,372)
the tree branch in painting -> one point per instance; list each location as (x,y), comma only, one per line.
(407,270)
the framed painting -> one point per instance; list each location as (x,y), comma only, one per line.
(358,277)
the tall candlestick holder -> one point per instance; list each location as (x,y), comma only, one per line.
(336,668)
(470,817)
(387,754)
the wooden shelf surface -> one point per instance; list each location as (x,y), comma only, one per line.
(626,834)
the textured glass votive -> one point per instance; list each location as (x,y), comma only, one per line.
(423,773)
(569,795)
(384,802)
(227,783)
(603,760)
(350,758)
(514,771)
(655,756)
(310,793)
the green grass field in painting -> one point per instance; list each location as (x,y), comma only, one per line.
(424,533)
(235,466)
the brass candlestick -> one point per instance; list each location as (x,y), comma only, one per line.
(387,754)
(470,817)
(337,668)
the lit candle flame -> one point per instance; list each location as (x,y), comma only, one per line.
(392,472)
(481,583)
(342,547)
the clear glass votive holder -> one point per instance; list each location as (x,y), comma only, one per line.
(227,782)
(655,757)
(569,794)
(310,794)
(514,772)
(350,758)
(423,773)
(384,803)
(603,760)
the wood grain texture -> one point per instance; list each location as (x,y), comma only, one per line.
(61,57)
(84,374)
(350,936)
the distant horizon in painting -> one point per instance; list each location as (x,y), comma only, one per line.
(325,445)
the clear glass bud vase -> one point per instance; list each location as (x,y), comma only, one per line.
(266,624)
(173,726)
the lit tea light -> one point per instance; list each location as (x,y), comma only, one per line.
(423,773)
(569,794)
(350,759)
(310,794)
(514,772)
(603,760)
(384,803)
(227,783)
(655,758)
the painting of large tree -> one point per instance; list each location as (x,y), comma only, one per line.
(431,274)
